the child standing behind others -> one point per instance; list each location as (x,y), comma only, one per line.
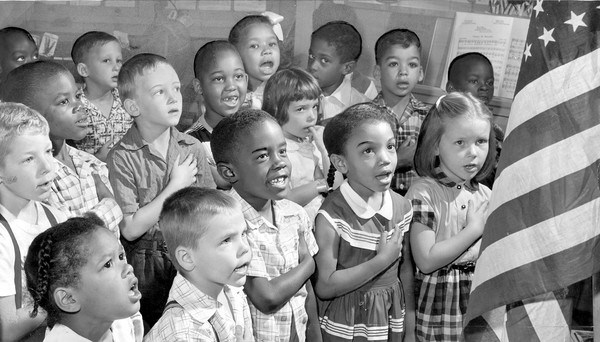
(151,162)
(205,232)
(454,153)
(250,152)
(292,97)
(254,38)
(97,57)
(361,230)
(17,47)
(77,272)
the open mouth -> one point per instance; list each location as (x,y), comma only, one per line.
(243,269)
(279,181)
(385,176)
(471,167)
(134,293)
(231,101)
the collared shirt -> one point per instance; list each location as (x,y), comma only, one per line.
(359,81)
(138,173)
(104,128)
(200,317)
(442,205)
(343,97)
(254,99)
(408,126)
(275,252)
(74,192)
(120,331)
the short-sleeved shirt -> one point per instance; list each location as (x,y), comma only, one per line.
(138,173)
(408,126)
(442,205)
(305,157)
(103,128)
(121,330)
(200,317)
(275,252)
(74,192)
(341,98)
(24,233)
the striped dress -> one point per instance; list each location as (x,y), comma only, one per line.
(375,311)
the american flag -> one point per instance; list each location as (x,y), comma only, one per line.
(542,233)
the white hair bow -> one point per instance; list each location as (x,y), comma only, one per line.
(275,19)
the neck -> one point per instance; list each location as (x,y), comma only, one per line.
(151,133)
(293,137)
(212,118)
(398,104)
(95,93)
(87,327)
(17,205)
(327,91)
(58,145)
(201,283)
(253,83)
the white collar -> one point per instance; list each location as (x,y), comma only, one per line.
(361,208)
(343,93)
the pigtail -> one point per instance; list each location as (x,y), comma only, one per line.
(330,179)
(40,293)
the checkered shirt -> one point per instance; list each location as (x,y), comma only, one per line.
(199,317)
(275,252)
(408,125)
(74,192)
(103,128)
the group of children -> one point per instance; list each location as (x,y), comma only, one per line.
(308,236)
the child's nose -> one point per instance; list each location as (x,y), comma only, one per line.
(47,165)
(127,269)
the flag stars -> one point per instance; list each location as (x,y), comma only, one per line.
(527,52)
(538,7)
(576,21)
(547,37)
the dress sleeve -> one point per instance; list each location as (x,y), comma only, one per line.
(422,205)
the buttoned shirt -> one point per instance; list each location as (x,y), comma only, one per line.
(343,97)
(104,128)
(138,173)
(408,126)
(275,252)
(200,317)
(74,191)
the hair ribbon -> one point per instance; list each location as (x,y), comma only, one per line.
(275,20)
(437,103)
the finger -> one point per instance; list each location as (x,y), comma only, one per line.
(189,159)
(176,163)
(382,239)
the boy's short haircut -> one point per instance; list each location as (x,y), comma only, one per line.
(7,31)
(23,83)
(207,55)
(343,37)
(133,68)
(402,37)
(240,28)
(226,136)
(88,41)
(463,58)
(185,213)
(17,119)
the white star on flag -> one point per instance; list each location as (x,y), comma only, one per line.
(538,7)
(576,21)
(527,52)
(547,37)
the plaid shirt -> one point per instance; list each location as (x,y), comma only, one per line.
(74,192)
(199,317)
(408,125)
(275,252)
(103,128)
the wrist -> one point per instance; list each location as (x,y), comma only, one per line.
(322,186)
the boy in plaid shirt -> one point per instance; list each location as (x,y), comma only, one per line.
(250,151)
(398,67)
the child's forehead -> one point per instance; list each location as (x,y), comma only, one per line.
(224,59)
(159,73)
(399,50)
(104,46)
(259,30)
(472,63)
(16,40)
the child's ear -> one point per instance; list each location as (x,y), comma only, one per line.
(227,171)
(421,73)
(131,107)
(197,86)
(339,162)
(348,67)
(82,70)
(449,87)
(184,258)
(377,72)
(66,300)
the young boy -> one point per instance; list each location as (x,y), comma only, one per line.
(205,232)
(81,184)
(398,67)
(334,51)
(152,161)
(97,57)
(17,47)
(250,151)
(27,169)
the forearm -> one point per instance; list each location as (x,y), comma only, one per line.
(444,252)
(303,194)
(15,326)
(110,212)
(313,329)
(407,279)
(137,224)
(340,282)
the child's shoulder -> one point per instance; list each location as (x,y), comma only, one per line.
(418,106)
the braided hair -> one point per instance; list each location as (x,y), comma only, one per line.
(54,260)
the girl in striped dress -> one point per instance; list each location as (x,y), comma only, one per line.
(361,230)
(454,152)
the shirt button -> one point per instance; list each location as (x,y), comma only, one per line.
(304,320)
(459,187)
(463,206)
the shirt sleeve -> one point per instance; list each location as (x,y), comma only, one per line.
(422,205)
(306,229)
(122,181)
(110,212)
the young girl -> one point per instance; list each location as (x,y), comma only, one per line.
(292,97)
(454,152)
(258,46)
(360,231)
(77,272)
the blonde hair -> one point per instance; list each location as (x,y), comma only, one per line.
(15,120)
(448,107)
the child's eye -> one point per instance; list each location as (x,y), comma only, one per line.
(391,147)
(482,141)
(311,56)
(283,152)
(159,92)
(121,256)
(324,60)
(473,81)
(225,241)
(218,79)
(35,57)
(315,107)
(28,160)
(239,77)
(50,151)
(254,46)
(108,264)
(63,102)
(393,64)
(273,44)
(177,88)
(119,61)
(262,156)
(414,65)
(459,142)
(490,83)
(368,150)
(20,59)
(106,60)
